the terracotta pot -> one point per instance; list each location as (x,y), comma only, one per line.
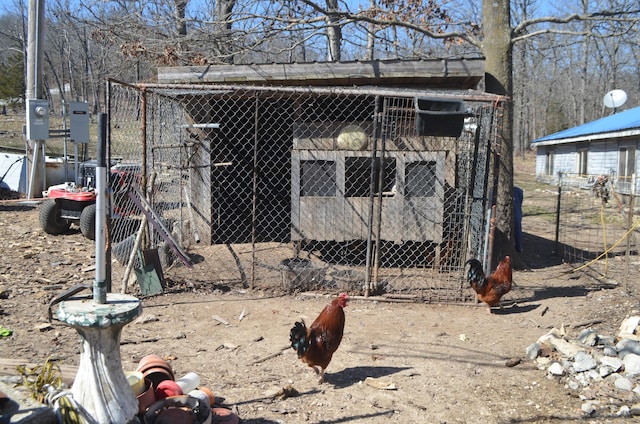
(146,398)
(155,369)
(157,375)
(209,393)
(154,361)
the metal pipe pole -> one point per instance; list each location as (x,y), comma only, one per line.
(558,207)
(374,149)
(254,189)
(100,283)
(383,140)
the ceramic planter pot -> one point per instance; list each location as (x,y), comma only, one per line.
(147,397)
(209,393)
(157,375)
(155,369)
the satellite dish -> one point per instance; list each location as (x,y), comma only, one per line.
(614,98)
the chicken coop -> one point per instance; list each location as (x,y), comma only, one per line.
(380,188)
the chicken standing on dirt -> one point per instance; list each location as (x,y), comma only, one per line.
(315,345)
(490,289)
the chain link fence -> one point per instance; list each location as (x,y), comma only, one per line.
(305,188)
(597,229)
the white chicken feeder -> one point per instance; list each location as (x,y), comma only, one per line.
(100,386)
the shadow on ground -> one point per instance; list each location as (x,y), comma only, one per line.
(539,252)
(352,375)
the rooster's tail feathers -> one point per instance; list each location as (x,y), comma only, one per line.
(475,274)
(298,338)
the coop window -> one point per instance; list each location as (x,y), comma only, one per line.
(318,178)
(626,163)
(421,179)
(358,176)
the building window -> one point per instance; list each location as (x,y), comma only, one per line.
(626,163)
(548,163)
(582,161)
(357,176)
(318,178)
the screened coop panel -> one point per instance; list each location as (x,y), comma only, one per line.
(421,177)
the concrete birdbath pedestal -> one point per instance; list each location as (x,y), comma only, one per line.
(100,386)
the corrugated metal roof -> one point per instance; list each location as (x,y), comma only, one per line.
(624,123)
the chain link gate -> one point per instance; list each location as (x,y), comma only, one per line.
(596,228)
(307,188)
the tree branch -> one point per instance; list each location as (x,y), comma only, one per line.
(520,30)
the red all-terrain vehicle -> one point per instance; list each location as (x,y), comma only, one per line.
(67,203)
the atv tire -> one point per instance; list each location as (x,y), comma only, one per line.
(88,222)
(51,220)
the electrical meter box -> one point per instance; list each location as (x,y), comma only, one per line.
(79,122)
(37,119)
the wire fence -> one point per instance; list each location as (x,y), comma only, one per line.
(304,188)
(597,229)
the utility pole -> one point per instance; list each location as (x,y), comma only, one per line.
(37,128)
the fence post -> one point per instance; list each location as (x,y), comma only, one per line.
(629,229)
(558,204)
(368,260)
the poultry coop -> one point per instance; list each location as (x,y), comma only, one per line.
(379,190)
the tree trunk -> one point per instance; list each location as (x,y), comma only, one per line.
(334,32)
(224,10)
(371,35)
(497,49)
(180,7)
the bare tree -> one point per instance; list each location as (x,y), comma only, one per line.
(498,51)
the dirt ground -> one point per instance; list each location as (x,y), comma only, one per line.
(436,363)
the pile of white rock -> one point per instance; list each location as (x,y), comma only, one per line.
(603,370)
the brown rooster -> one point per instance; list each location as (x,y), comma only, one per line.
(315,345)
(490,289)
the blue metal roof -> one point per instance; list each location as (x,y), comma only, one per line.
(621,121)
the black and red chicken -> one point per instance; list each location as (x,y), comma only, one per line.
(316,344)
(490,289)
